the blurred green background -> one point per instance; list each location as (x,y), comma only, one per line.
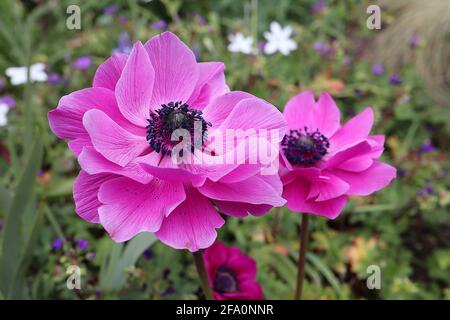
(402,71)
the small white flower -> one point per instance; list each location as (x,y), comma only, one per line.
(3,112)
(241,43)
(18,75)
(279,39)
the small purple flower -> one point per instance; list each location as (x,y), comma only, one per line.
(67,56)
(8,100)
(395,79)
(197,51)
(148,254)
(358,92)
(124,44)
(2,83)
(261,45)
(169,291)
(159,25)
(377,69)
(54,78)
(427,147)
(426,191)
(166,273)
(201,20)
(57,244)
(319,46)
(90,256)
(83,63)
(111,10)
(98,294)
(323,49)
(123,19)
(318,6)
(414,41)
(82,244)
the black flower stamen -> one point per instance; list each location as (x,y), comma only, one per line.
(170,117)
(225,280)
(305,148)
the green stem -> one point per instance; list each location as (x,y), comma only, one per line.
(201,270)
(302,256)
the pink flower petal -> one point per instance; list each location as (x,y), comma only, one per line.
(130,207)
(66,120)
(211,84)
(299,111)
(359,149)
(192,225)
(296,194)
(327,187)
(77,145)
(85,190)
(355,129)
(242,172)
(240,209)
(358,163)
(214,257)
(377,142)
(111,140)
(94,163)
(172,172)
(326,115)
(219,108)
(254,113)
(378,176)
(254,190)
(135,85)
(244,266)
(176,71)
(108,73)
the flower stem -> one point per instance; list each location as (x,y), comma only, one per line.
(302,256)
(201,270)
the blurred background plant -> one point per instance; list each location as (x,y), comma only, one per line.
(401,70)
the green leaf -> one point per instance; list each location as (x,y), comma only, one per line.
(285,268)
(112,275)
(136,247)
(5,199)
(325,271)
(19,278)
(60,188)
(13,237)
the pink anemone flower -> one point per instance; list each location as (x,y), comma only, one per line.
(231,273)
(324,162)
(120,128)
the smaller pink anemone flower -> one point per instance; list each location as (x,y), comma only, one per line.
(324,162)
(231,273)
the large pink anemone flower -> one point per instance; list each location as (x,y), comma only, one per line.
(120,128)
(231,273)
(324,162)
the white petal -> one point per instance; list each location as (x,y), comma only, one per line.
(3,121)
(17,75)
(287,31)
(275,27)
(37,72)
(270,47)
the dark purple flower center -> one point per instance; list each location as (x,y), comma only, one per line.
(225,280)
(170,117)
(303,147)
